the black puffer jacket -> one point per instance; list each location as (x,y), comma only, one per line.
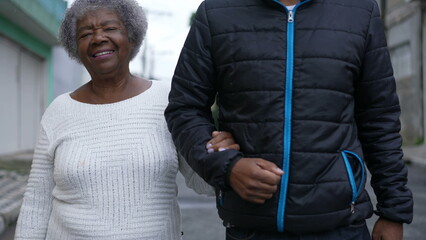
(310,90)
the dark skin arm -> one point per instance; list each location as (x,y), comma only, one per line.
(253,179)
(221,141)
(387,230)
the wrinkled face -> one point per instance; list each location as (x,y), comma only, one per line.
(103,44)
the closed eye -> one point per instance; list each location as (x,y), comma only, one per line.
(84,35)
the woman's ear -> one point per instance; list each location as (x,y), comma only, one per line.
(132,46)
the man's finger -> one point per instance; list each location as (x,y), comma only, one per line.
(267,177)
(269,166)
(258,197)
(263,188)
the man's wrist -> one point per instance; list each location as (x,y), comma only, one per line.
(230,165)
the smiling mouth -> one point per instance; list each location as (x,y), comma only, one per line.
(102,53)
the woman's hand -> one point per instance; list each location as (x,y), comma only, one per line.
(221,141)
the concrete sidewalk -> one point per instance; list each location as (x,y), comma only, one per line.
(14,171)
(415,154)
(12,187)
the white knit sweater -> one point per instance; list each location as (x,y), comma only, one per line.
(105,171)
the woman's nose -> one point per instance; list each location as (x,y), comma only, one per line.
(99,36)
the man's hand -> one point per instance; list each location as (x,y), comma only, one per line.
(221,141)
(255,179)
(387,230)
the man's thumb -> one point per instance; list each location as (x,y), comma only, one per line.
(270,166)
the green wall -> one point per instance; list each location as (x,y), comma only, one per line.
(47,13)
(20,36)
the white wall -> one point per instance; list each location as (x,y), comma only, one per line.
(404,40)
(22,82)
(68,75)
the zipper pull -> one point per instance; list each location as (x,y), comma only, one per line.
(352,207)
(290,16)
(220,197)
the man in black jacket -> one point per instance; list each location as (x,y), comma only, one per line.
(307,90)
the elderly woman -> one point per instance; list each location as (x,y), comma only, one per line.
(105,166)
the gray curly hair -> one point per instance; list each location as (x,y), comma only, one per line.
(132,15)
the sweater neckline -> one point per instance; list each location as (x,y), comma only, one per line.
(114,104)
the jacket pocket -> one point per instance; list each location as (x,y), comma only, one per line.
(352,161)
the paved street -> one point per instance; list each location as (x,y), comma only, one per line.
(417,183)
(199,216)
(200,220)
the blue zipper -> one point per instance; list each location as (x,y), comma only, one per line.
(355,190)
(287,113)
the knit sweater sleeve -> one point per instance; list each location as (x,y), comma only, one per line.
(37,204)
(193,180)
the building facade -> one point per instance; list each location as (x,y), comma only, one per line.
(30,64)
(405,22)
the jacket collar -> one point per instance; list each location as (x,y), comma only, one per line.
(273,3)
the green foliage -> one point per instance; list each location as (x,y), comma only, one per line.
(215,114)
(191,19)
(420,141)
(21,167)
